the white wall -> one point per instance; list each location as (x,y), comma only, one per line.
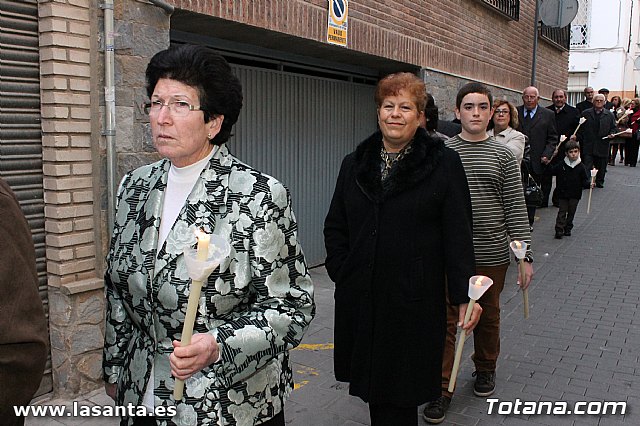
(606,58)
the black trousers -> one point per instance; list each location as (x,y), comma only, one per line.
(566,213)
(600,163)
(278,420)
(393,415)
(631,157)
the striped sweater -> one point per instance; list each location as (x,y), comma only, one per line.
(497,199)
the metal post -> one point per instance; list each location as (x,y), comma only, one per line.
(110,110)
(535,44)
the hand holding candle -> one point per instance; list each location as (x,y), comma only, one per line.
(519,249)
(626,113)
(617,134)
(478,285)
(200,263)
(555,151)
(594,172)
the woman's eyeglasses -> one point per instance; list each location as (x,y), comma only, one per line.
(501,112)
(176,108)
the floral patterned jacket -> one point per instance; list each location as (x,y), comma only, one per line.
(257,304)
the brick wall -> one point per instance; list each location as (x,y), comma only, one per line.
(67,48)
(460,37)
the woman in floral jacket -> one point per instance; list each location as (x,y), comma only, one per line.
(254,308)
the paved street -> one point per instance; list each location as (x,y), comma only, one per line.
(581,342)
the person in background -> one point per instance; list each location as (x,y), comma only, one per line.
(23,325)
(430,121)
(588,100)
(539,125)
(571,177)
(502,128)
(631,157)
(448,128)
(594,136)
(567,119)
(255,306)
(616,102)
(499,215)
(604,91)
(398,239)
(619,110)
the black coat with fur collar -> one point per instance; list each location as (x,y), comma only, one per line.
(389,247)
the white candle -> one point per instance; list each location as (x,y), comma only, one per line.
(192,306)
(203,245)
(523,275)
(594,173)
(477,288)
(580,123)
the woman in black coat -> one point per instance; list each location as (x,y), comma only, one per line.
(398,233)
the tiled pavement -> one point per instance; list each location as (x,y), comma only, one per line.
(580,343)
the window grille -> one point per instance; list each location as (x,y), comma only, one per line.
(559,37)
(508,8)
(580,25)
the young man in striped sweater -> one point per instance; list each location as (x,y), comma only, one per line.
(499,216)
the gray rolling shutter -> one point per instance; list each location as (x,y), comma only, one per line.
(20,134)
(298,128)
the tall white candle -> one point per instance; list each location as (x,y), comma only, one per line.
(192,306)
(478,284)
(523,275)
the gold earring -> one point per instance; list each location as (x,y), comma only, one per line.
(209,136)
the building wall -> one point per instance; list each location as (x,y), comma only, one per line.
(614,30)
(460,37)
(453,41)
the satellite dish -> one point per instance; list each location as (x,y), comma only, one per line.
(558,13)
(636,63)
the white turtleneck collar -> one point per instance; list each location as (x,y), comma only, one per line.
(570,163)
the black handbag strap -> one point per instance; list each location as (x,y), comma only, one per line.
(529,178)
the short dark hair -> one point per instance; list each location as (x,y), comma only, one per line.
(219,90)
(431,114)
(392,84)
(571,144)
(473,87)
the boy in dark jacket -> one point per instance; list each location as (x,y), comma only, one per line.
(571,178)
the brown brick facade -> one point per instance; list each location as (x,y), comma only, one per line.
(461,37)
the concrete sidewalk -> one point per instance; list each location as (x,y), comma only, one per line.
(581,342)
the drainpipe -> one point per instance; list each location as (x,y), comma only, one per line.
(110,103)
(535,43)
(110,111)
(163,5)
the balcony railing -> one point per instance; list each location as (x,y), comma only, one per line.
(508,8)
(559,37)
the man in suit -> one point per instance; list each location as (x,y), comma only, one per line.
(23,326)
(539,125)
(567,119)
(588,99)
(594,136)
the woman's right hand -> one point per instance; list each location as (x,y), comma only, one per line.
(110,389)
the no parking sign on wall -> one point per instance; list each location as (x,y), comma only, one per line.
(337,22)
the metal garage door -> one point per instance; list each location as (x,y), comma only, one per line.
(298,128)
(20,136)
